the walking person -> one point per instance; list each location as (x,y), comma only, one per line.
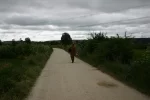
(72,51)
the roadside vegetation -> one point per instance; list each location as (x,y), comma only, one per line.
(20,64)
(124,58)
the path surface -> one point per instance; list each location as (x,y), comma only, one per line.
(62,80)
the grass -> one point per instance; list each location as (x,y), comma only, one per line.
(17,76)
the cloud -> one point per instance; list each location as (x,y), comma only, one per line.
(25,20)
(50,18)
(108,5)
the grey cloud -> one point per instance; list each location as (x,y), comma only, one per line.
(129,22)
(28,20)
(9,32)
(25,20)
(50,15)
(20,5)
(99,5)
(108,5)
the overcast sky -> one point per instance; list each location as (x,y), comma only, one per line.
(43,20)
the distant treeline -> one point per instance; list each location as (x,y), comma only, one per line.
(56,42)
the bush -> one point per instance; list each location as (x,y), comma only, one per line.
(140,71)
(112,49)
(119,49)
(23,49)
(20,50)
(99,36)
(7,51)
(102,52)
(17,76)
(40,48)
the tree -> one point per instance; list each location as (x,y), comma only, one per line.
(66,39)
(27,40)
(21,40)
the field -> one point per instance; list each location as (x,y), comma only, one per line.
(20,65)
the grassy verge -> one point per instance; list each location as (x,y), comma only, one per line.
(17,76)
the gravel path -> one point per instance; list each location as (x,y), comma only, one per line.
(62,80)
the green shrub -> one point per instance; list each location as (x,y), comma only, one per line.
(7,51)
(140,71)
(17,76)
(22,50)
(120,50)
(112,49)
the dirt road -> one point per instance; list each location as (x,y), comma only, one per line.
(62,80)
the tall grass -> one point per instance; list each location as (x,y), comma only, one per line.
(20,65)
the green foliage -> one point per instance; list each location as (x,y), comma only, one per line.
(137,54)
(54,42)
(140,71)
(99,36)
(9,51)
(112,49)
(27,40)
(40,48)
(66,39)
(118,49)
(17,76)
